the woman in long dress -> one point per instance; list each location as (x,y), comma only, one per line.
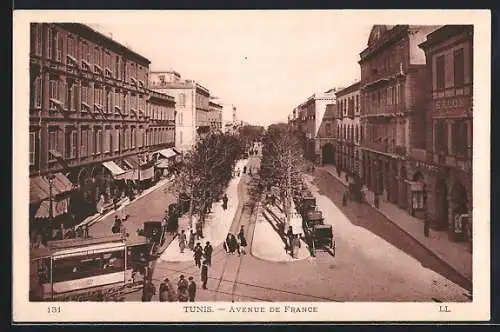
(182,241)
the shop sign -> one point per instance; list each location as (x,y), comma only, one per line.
(426,166)
(450,103)
(61,207)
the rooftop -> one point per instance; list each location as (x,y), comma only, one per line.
(101,37)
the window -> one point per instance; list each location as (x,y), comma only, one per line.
(107,140)
(32,148)
(73,144)
(70,95)
(162,78)
(97,56)
(116,140)
(85,98)
(459,137)
(97,141)
(60,47)
(132,137)
(37,88)
(84,142)
(117,67)
(440,72)
(458,67)
(139,137)
(180,137)
(182,100)
(53,143)
(109,101)
(357,134)
(440,138)
(71,47)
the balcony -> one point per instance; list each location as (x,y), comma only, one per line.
(389,149)
(457,162)
(419,154)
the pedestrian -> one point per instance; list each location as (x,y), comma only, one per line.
(198,254)
(204,274)
(242,240)
(171,294)
(227,243)
(182,288)
(191,289)
(163,291)
(208,253)
(182,241)
(289,236)
(191,240)
(148,290)
(233,245)
(344,199)
(244,169)
(295,246)
(224,201)
(116,225)
(376,201)
(199,230)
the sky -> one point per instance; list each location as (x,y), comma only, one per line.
(263,62)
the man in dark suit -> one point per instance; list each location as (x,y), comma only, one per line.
(204,274)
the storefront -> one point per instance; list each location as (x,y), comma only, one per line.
(49,204)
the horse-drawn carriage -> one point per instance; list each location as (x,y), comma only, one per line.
(318,235)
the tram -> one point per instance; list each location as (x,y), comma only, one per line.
(88,269)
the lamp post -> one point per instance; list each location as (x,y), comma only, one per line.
(50,178)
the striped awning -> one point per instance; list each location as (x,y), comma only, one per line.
(167,153)
(116,171)
(40,188)
(58,207)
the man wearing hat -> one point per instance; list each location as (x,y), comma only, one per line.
(182,287)
(191,289)
(204,274)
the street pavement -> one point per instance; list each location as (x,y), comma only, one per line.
(373,262)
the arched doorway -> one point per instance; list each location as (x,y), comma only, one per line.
(441,204)
(328,154)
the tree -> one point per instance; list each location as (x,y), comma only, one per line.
(206,170)
(250,133)
(281,162)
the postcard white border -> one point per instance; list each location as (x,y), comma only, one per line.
(478,309)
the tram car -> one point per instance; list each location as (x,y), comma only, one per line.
(88,269)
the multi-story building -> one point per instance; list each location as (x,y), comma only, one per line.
(443,163)
(393,79)
(215,116)
(327,134)
(309,116)
(88,123)
(349,129)
(192,106)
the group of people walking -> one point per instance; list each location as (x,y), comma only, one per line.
(184,292)
(236,243)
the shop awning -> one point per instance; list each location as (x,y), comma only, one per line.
(145,174)
(163,164)
(113,168)
(58,207)
(167,153)
(40,188)
(131,161)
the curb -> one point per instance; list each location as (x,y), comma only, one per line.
(414,238)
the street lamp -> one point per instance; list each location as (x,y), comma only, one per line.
(50,178)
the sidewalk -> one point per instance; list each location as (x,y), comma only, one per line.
(216,228)
(269,240)
(454,254)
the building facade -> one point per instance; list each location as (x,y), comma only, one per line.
(89,128)
(392,92)
(192,106)
(444,164)
(349,129)
(309,117)
(215,116)
(327,135)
